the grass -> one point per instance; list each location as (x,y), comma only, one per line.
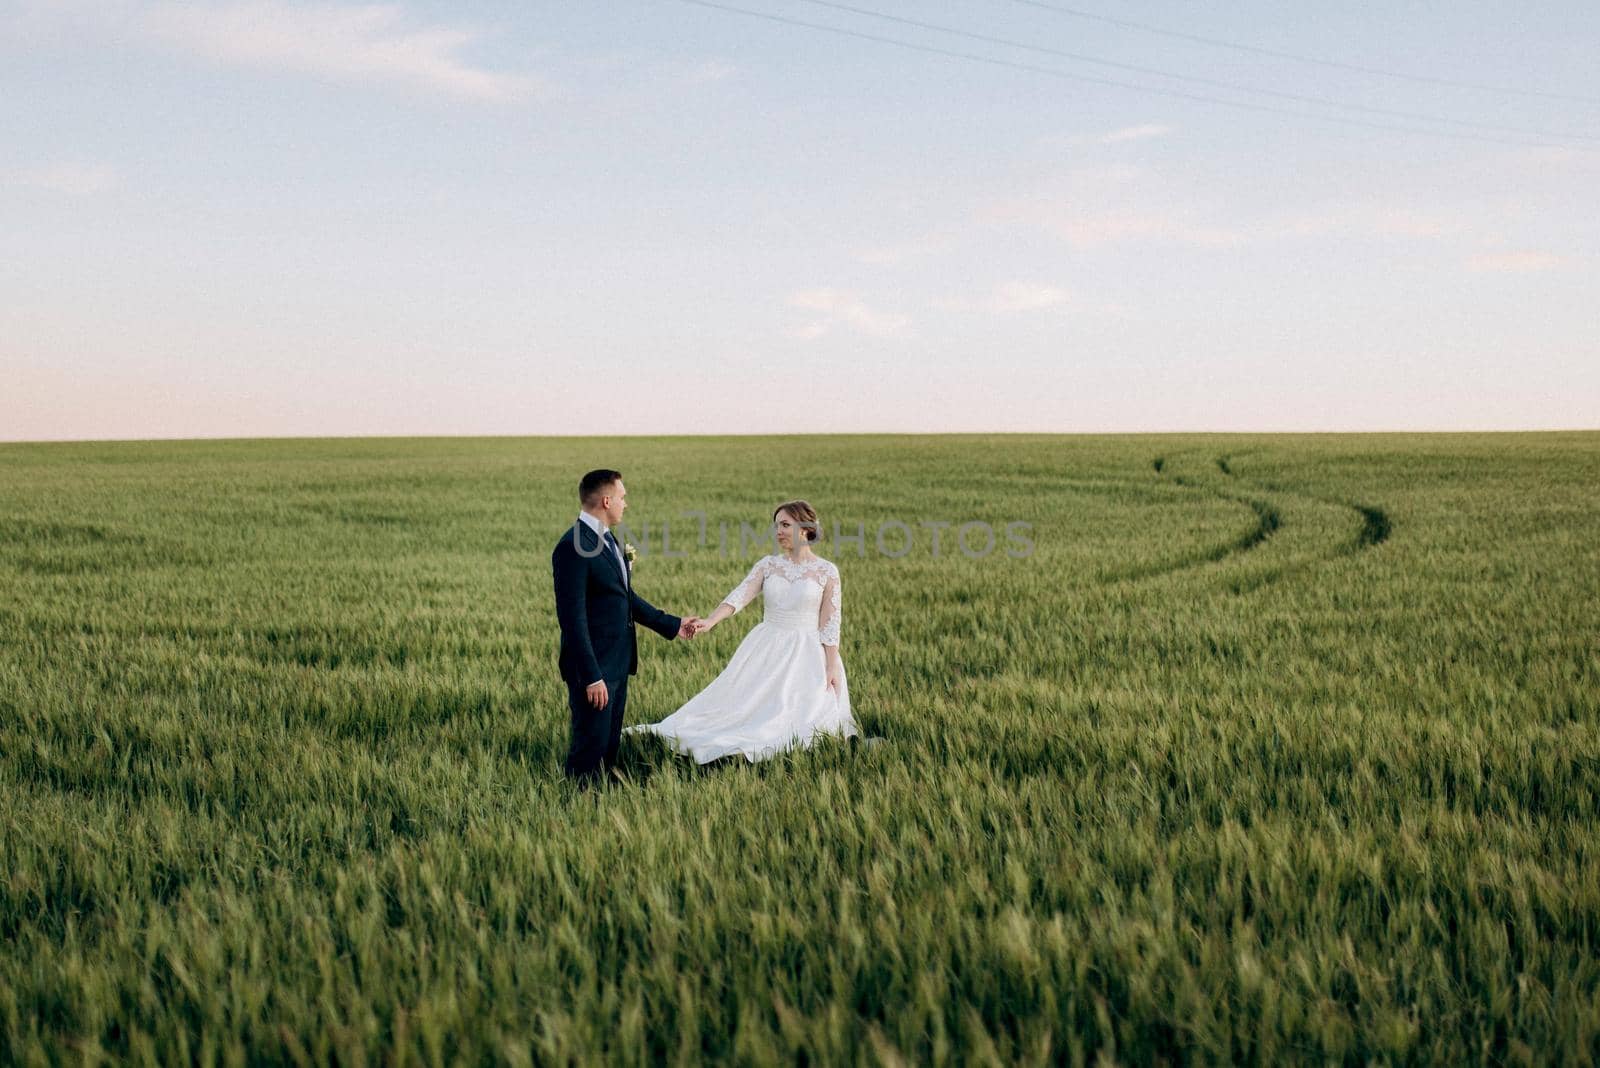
(1276,748)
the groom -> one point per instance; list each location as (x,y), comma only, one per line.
(597,608)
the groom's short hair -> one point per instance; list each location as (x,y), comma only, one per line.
(590,485)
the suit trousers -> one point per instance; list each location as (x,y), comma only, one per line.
(596,732)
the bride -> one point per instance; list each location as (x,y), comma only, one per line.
(785,684)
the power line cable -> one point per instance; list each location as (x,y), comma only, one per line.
(1052,72)
(1521,131)
(1239,46)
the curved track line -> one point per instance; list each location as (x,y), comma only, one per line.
(1376,527)
(1268,520)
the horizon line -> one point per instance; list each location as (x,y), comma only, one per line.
(220,439)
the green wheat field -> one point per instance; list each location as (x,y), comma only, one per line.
(1277,748)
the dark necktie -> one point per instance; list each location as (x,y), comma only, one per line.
(612,542)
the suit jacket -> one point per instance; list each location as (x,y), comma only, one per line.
(597,610)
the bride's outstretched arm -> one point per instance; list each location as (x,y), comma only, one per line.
(724,610)
(740,595)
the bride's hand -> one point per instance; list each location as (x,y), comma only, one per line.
(835,678)
(701,626)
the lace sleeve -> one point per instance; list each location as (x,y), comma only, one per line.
(746,591)
(828,616)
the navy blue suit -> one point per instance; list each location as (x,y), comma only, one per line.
(597,610)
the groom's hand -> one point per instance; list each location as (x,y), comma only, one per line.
(597,694)
(687,628)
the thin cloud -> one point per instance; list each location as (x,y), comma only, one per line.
(1141,132)
(1099,206)
(1135,133)
(1370,219)
(1010,298)
(712,70)
(836,308)
(72,179)
(892,255)
(1088,229)
(1412,224)
(1523,262)
(371,42)
(1562,156)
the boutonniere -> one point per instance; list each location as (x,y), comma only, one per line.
(628,553)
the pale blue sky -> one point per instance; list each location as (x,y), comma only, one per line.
(287,218)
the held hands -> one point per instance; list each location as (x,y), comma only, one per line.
(596,693)
(693,627)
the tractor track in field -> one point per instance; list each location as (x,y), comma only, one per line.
(1268,520)
(1376,527)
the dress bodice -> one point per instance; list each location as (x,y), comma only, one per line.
(804,596)
(791,601)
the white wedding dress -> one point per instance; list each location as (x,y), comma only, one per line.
(773,695)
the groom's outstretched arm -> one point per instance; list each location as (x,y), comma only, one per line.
(572,607)
(663,623)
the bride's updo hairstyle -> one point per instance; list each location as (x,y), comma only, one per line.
(803,514)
